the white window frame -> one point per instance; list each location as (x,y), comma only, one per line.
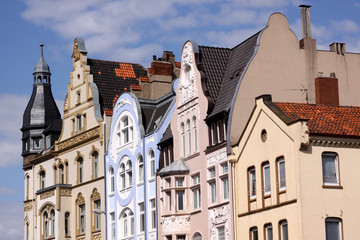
(281,174)
(183,139)
(111,180)
(188,125)
(141,217)
(152,214)
(195,134)
(221,232)
(252,183)
(254,233)
(212,186)
(284,226)
(140,164)
(82,224)
(335,163)
(225,187)
(46,224)
(95,156)
(112,226)
(266,179)
(151,157)
(268,231)
(180,195)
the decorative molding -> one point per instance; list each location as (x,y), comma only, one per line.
(175,223)
(187,86)
(76,52)
(219,215)
(95,195)
(150,139)
(121,103)
(65,191)
(217,158)
(80,199)
(47,194)
(335,143)
(28,206)
(78,139)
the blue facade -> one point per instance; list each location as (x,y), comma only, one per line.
(131,164)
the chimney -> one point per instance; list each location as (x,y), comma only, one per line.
(305,21)
(327,90)
(339,48)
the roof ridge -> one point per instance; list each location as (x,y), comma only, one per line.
(247,39)
(102,60)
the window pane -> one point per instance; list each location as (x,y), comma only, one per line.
(180,200)
(284,230)
(252,183)
(329,163)
(267,187)
(221,233)
(332,229)
(282,181)
(226,188)
(213,192)
(254,233)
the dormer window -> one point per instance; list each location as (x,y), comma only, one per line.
(36,143)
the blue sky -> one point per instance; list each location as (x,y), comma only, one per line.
(127,31)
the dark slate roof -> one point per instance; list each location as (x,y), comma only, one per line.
(55,126)
(238,58)
(153,111)
(325,119)
(213,64)
(41,109)
(114,78)
(167,135)
(176,167)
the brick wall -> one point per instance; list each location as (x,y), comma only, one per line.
(327,91)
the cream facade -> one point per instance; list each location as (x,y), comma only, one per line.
(284,186)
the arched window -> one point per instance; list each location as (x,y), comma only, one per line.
(122,176)
(188,125)
(197,236)
(42,179)
(127,223)
(52,213)
(129,173)
(67,224)
(27,187)
(183,139)
(195,134)
(151,164)
(140,162)
(95,157)
(46,224)
(55,171)
(61,174)
(80,169)
(111,177)
(125,131)
(67,171)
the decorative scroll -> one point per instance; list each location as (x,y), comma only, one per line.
(217,158)
(81,138)
(47,194)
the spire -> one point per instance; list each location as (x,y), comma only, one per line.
(41,66)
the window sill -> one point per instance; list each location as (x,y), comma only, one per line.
(111,194)
(253,199)
(332,186)
(152,179)
(267,196)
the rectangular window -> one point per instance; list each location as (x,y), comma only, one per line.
(197,198)
(82,218)
(97,204)
(281,174)
(213,192)
(84,121)
(112,222)
(196,179)
(266,179)
(169,237)
(212,173)
(268,232)
(142,217)
(78,119)
(221,233)
(218,132)
(180,237)
(36,143)
(48,141)
(152,214)
(180,182)
(225,168)
(253,233)
(73,124)
(333,229)
(180,200)
(67,223)
(213,134)
(283,230)
(169,200)
(225,183)
(330,168)
(252,183)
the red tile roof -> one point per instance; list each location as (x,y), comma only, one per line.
(325,119)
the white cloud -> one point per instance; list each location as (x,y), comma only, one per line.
(230,39)
(345,26)
(11,220)
(12,108)
(7,191)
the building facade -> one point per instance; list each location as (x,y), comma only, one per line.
(65,179)
(295,172)
(131,164)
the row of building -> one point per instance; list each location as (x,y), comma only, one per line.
(254,142)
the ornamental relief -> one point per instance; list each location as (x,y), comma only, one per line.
(80,199)
(47,194)
(83,137)
(121,103)
(95,195)
(65,192)
(219,215)
(27,206)
(217,158)
(175,223)
(187,86)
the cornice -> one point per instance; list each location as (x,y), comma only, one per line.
(79,139)
(325,141)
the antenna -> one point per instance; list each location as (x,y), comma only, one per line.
(304,90)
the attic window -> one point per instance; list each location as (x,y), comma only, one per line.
(263,135)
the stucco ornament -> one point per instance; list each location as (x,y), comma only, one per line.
(121,103)
(218,216)
(187,84)
(176,223)
(217,158)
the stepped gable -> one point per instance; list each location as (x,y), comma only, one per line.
(238,60)
(325,119)
(213,63)
(113,78)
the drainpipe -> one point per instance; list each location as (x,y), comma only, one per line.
(145,189)
(106,196)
